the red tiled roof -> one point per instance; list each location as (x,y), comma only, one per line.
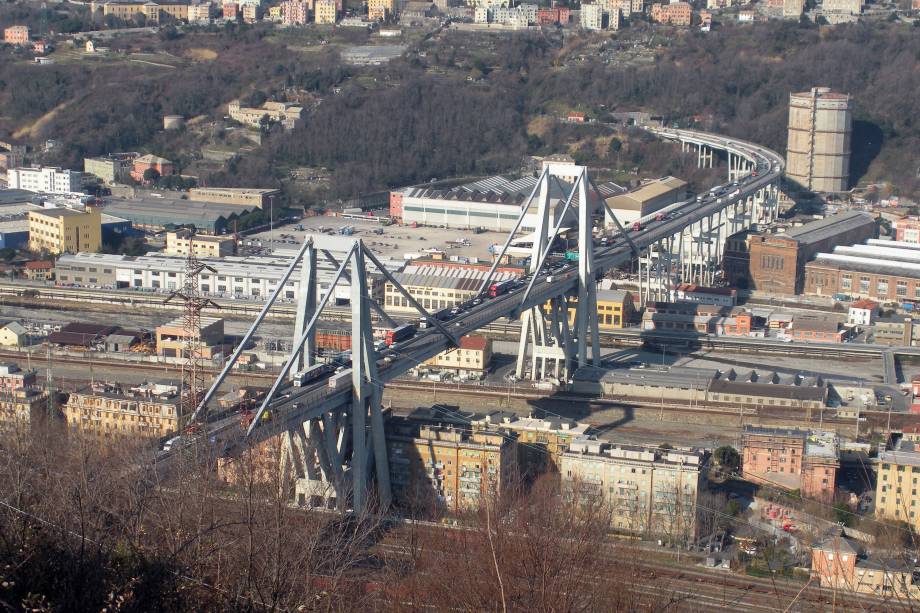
(864,304)
(39,265)
(476,343)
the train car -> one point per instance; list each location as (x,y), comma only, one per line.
(311,374)
(400,333)
(497,289)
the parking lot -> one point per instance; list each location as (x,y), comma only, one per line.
(393,241)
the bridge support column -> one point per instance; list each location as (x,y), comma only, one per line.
(549,341)
(306,308)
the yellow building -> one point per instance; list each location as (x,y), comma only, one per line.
(837,564)
(150,410)
(13,334)
(473,355)
(646,489)
(325,11)
(153,12)
(65,230)
(21,399)
(447,468)
(201,245)
(288,115)
(434,292)
(541,442)
(173,339)
(380,9)
(898,482)
(615,309)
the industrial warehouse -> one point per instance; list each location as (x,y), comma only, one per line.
(150,213)
(491,204)
(881,270)
(238,276)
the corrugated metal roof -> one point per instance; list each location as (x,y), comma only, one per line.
(455,273)
(439,281)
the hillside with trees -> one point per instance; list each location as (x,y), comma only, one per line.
(466,104)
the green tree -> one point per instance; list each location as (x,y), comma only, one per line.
(613,149)
(842,514)
(151,175)
(732,508)
(728,458)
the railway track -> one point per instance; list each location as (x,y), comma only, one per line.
(59,297)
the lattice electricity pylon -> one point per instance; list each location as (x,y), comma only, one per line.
(192,374)
(338,443)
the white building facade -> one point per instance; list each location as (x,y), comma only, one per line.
(47,180)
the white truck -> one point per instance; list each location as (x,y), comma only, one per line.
(340,380)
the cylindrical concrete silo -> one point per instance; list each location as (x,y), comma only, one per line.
(818,151)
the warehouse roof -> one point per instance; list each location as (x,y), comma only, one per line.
(772,390)
(649,191)
(829,227)
(468,284)
(80,334)
(15,196)
(668,376)
(866,264)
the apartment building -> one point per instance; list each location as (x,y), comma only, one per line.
(199,13)
(792,459)
(793,9)
(45,179)
(540,441)
(907,230)
(173,338)
(16,35)
(380,9)
(473,356)
(111,169)
(250,13)
(592,16)
(438,466)
(325,11)
(111,410)
(898,481)
(838,565)
(182,242)
(288,115)
(295,13)
(65,230)
(862,313)
(647,490)
(21,400)
(675,13)
(153,12)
